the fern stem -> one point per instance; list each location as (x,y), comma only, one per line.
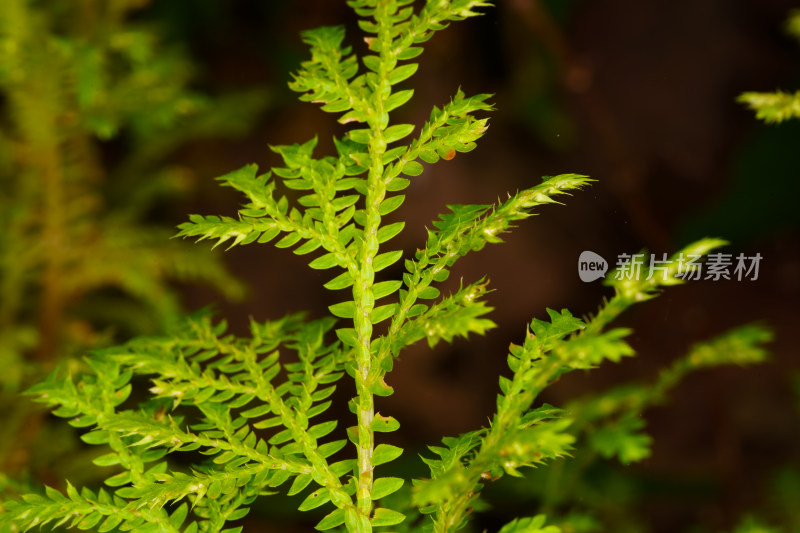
(518,399)
(362,290)
(365,302)
(36,99)
(53,297)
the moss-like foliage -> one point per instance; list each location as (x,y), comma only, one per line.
(258,406)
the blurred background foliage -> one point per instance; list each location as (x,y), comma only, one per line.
(129,102)
(92,104)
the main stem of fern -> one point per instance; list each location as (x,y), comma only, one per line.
(378,120)
(365,302)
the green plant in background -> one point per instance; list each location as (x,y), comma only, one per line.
(768,151)
(256,406)
(784,490)
(79,264)
(777,106)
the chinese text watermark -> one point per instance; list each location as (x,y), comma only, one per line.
(717,266)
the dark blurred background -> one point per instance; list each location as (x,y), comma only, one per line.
(638,95)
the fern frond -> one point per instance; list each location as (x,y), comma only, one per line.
(458,314)
(549,350)
(465,229)
(629,290)
(86,510)
(449,130)
(200,366)
(326,78)
(613,419)
(773,107)
(507,444)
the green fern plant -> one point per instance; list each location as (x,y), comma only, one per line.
(258,406)
(80,266)
(608,430)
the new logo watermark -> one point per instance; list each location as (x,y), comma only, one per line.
(716,266)
(591,266)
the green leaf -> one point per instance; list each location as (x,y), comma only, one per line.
(397,184)
(386,259)
(95,437)
(385,288)
(110,523)
(178,516)
(393,153)
(397,132)
(360,136)
(382,312)
(123,478)
(402,73)
(320,430)
(343,309)
(391,203)
(372,62)
(386,517)
(385,486)
(108,459)
(385,453)
(397,99)
(332,520)
(300,482)
(410,53)
(348,336)
(412,168)
(380,388)
(342,281)
(90,521)
(356,521)
(315,499)
(324,261)
(390,231)
(307,247)
(429,156)
(330,448)
(429,293)
(384,424)
(288,240)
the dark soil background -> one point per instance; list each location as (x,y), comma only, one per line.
(640,96)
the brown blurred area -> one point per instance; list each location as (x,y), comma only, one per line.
(638,95)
